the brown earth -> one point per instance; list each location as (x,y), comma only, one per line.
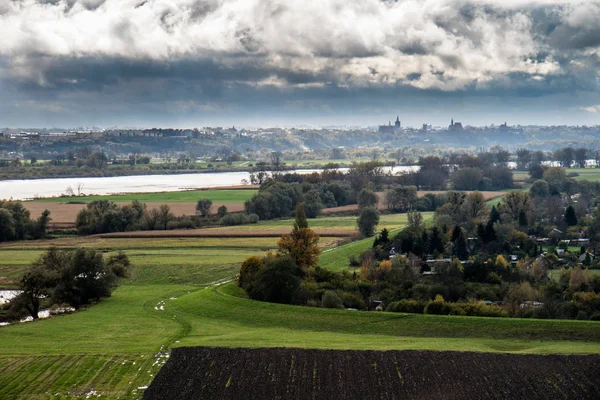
(222,373)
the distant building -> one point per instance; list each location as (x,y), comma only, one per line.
(389,128)
(504,127)
(455,126)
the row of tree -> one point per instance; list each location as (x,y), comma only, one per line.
(66,277)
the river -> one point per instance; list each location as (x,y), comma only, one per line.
(39,188)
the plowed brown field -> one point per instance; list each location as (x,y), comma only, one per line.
(222,373)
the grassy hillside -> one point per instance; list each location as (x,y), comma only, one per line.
(118,345)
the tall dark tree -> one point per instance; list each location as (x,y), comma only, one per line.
(460,249)
(494,215)
(435,241)
(455,233)
(367,221)
(570,216)
(522,218)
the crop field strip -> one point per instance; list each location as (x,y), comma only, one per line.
(155,261)
(191,196)
(238,373)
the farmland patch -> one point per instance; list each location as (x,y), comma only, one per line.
(219,373)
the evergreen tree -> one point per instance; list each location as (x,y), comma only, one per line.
(570,216)
(456,233)
(522,218)
(460,247)
(494,215)
(490,232)
(435,241)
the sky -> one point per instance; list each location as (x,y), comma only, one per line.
(259,63)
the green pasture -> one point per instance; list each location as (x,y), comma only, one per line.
(389,221)
(555,273)
(115,346)
(217,196)
(588,174)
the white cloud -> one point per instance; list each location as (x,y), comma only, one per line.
(591,109)
(428,44)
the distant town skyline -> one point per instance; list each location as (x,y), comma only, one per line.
(183,63)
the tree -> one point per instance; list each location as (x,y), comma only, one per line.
(523,159)
(401,198)
(151,219)
(474,207)
(367,221)
(513,204)
(436,243)
(248,271)
(415,221)
(276,164)
(35,285)
(580,156)
(556,178)
(467,178)
(366,198)
(331,300)
(540,188)
(302,244)
(312,203)
(278,281)
(203,207)
(7,226)
(459,248)
(74,277)
(494,215)
(165,215)
(433,173)
(83,277)
(570,216)
(222,211)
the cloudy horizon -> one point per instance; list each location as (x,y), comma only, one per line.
(192,63)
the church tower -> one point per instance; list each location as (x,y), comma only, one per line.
(397,124)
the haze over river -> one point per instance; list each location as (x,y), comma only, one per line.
(37,188)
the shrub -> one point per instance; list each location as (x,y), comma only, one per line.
(354,261)
(250,267)
(407,306)
(331,300)
(476,309)
(222,211)
(437,306)
(239,219)
(352,300)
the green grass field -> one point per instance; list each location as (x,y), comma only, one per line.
(555,273)
(589,174)
(114,347)
(217,196)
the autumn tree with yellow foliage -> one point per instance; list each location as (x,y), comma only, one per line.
(302,244)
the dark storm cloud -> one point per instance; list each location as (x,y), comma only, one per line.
(223,54)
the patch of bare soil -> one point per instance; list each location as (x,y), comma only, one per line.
(223,373)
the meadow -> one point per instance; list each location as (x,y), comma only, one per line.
(116,347)
(217,196)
